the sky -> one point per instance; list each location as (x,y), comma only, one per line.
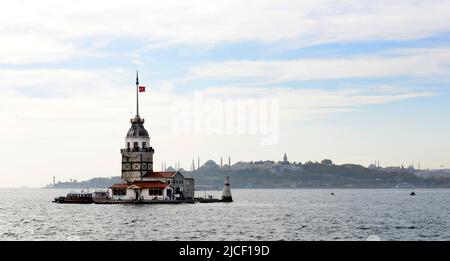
(353,81)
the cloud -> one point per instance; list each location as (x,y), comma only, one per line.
(50,30)
(85,125)
(77,119)
(80,132)
(30,91)
(17,49)
(409,63)
(306,104)
(62,82)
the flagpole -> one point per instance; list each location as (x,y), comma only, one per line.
(137,93)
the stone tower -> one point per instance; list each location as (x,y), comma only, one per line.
(137,156)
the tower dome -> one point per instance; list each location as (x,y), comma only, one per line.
(137,129)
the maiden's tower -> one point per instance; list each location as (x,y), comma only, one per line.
(139,181)
(137,156)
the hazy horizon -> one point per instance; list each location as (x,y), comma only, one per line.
(354,82)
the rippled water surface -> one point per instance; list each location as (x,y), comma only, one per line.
(302,214)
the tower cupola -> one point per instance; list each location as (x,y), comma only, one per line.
(137,128)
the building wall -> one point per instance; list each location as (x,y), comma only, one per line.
(129,195)
(184,185)
(144,193)
(146,196)
(136,164)
(139,140)
(177,182)
(189,188)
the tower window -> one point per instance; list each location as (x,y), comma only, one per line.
(144,145)
(136,145)
(128,145)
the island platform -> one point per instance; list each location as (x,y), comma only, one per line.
(86,200)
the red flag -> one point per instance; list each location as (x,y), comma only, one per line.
(141,88)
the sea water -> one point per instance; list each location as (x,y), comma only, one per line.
(255,214)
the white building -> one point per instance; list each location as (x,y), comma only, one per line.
(183,187)
(285,159)
(142,190)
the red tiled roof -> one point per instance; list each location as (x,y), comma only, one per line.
(120,186)
(150,184)
(160,174)
(141,184)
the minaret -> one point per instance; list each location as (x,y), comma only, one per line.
(221,162)
(137,157)
(226,196)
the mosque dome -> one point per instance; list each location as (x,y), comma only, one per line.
(372,166)
(210,162)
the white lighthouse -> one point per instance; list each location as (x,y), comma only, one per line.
(226,196)
(137,156)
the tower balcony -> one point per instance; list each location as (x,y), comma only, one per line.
(150,149)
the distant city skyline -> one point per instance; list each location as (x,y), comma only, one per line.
(196,161)
(354,82)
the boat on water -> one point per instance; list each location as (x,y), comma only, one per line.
(100,195)
(75,198)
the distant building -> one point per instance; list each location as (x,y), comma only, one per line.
(209,165)
(433,173)
(285,159)
(170,169)
(372,166)
(411,168)
(327,162)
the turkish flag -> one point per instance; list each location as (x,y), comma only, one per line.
(141,88)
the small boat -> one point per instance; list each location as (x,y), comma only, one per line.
(75,198)
(100,195)
(412,193)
